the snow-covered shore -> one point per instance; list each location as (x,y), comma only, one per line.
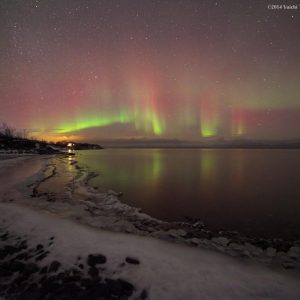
(50,196)
(164,271)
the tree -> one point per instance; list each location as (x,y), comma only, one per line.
(7,131)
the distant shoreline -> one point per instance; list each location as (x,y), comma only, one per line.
(202,147)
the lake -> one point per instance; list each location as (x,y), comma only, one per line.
(253,191)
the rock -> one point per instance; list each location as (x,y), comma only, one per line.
(143,295)
(4,272)
(23,245)
(54,266)
(282,246)
(30,268)
(204,242)
(39,247)
(42,256)
(198,224)
(10,250)
(195,241)
(253,250)
(163,235)
(223,241)
(93,272)
(32,292)
(219,247)
(271,252)
(22,256)
(236,247)
(98,291)
(4,236)
(132,260)
(76,274)
(17,266)
(120,288)
(288,264)
(204,234)
(294,252)
(281,254)
(49,285)
(44,270)
(95,259)
(3,254)
(177,233)
(261,243)
(88,282)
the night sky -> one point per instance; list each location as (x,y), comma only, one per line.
(167,69)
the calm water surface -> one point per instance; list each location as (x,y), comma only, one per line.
(253,191)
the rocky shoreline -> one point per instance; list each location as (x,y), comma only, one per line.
(107,211)
(23,275)
(273,252)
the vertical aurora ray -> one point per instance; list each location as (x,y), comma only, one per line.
(238,127)
(209,118)
(146,115)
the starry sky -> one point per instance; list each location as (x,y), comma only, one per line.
(168,69)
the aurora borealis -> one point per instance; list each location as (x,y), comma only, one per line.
(169,69)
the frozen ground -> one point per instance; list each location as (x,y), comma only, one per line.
(43,197)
